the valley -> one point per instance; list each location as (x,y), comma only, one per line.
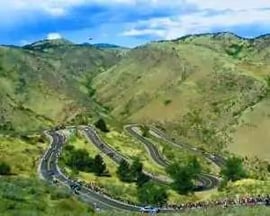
(207,93)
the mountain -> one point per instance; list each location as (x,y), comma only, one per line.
(47,44)
(210,90)
(193,85)
(48,82)
(108,46)
(199,86)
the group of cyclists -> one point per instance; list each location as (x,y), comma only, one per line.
(224,203)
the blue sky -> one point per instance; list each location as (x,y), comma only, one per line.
(128,22)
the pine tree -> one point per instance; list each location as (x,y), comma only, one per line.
(123,171)
(99,166)
(101,124)
(152,194)
(233,170)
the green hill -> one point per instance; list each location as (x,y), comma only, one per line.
(48,82)
(198,85)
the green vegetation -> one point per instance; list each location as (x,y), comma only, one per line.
(123,171)
(211,80)
(99,166)
(22,153)
(109,181)
(181,155)
(153,194)
(233,170)
(184,176)
(167,102)
(101,124)
(251,137)
(79,160)
(48,82)
(4,168)
(132,148)
(145,130)
(132,173)
(25,196)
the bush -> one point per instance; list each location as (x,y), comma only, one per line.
(233,170)
(60,194)
(4,168)
(101,124)
(99,166)
(184,175)
(152,194)
(77,159)
(167,102)
(145,130)
(133,173)
(123,171)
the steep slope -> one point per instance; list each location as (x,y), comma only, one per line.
(198,85)
(47,82)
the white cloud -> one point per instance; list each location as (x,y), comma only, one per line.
(237,12)
(230,4)
(54,36)
(135,32)
(61,7)
(53,7)
(201,21)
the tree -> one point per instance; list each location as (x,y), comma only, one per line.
(123,171)
(152,194)
(99,166)
(194,165)
(142,179)
(132,173)
(184,175)
(136,171)
(233,170)
(136,168)
(4,168)
(183,179)
(145,130)
(77,159)
(101,124)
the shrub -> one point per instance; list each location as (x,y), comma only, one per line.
(153,194)
(101,124)
(233,170)
(167,102)
(4,168)
(184,175)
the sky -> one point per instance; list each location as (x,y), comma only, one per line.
(128,22)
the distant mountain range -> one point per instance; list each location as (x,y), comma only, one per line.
(42,44)
(108,46)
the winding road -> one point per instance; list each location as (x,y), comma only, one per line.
(49,170)
(207,181)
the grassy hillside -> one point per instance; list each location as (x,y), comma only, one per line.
(21,196)
(48,82)
(199,86)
